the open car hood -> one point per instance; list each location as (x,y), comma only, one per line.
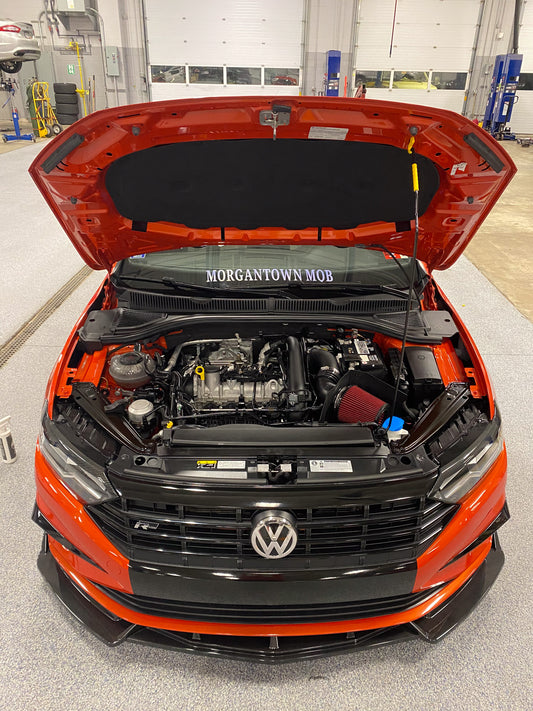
(157,176)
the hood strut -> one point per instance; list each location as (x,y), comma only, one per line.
(413,130)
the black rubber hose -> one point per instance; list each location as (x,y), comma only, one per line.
(323,365)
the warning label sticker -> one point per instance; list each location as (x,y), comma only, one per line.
(328,133)
(216,474)
(221,464)
(206,463)
(231,464)
(331,465)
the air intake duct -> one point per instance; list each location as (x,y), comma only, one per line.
(353,404)
(324,367)
(298,394)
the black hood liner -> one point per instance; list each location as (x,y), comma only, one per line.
(288,183)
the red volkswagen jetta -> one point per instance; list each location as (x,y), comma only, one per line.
(270,436)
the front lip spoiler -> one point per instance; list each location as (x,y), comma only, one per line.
(271,650)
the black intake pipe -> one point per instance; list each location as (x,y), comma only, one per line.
(296,375)
(323,365)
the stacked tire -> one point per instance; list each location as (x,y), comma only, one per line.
(66,101)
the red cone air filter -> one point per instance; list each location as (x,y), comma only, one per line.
(356,405)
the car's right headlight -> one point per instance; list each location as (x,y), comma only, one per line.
(85,479)
(463,473)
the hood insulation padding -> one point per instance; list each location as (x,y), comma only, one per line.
(253,183)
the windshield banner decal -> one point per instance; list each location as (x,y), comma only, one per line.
(270,274)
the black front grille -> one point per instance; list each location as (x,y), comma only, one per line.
(269,614)
(190,535)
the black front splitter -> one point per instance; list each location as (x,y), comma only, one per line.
(271,650)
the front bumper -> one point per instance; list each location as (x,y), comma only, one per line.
(118,596)
(272,648)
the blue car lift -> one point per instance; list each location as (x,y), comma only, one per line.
(502,96)
(333,68)
(17,136)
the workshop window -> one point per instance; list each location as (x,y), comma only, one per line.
(243,75)
(525,82)
(282,76)
(206,75)
(448,80)
(410,80)
(373,79)
(168,74)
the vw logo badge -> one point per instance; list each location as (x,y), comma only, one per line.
(274,534)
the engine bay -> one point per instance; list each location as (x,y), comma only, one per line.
(293,375)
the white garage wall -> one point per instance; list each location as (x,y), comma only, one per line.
(235,33)
(522,117)
(434,35)
(448,99)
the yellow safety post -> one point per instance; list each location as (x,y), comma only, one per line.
(82,92)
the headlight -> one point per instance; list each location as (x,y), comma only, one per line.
(459,478)
(85,479)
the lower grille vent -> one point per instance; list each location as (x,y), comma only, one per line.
(269,614)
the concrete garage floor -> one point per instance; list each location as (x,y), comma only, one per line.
(49,661)
(502,247)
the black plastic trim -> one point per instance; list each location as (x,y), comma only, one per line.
(441,410)
(106,626)
(498,522)
(437,624)
(88,397)
(112,327)
(263,436)
(484,151)
(62,152)
(38,518)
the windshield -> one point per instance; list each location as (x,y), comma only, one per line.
(243,266)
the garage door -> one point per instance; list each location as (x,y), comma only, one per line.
(223,47)
(418,52)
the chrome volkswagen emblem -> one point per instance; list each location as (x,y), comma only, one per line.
(274,534)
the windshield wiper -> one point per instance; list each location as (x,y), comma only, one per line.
(165,281)
(182,286)
(347,287)
(286,290)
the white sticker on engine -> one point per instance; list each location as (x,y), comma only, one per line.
(328,133)
(215,474)
(231,464)
(331,465)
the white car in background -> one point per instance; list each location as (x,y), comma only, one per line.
(17,44)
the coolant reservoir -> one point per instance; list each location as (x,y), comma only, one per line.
(131,370)
(139,412)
